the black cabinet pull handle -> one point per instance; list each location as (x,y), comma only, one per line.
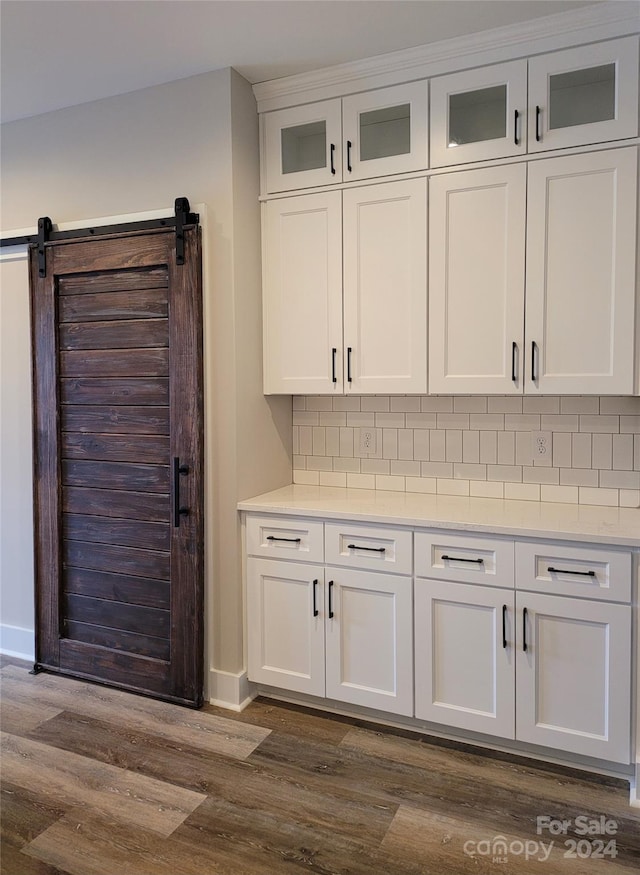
(331,600)
(534,347)
(371,549)
(334,351)
(516,115)
(349,168)
(315,606)
(569,571)
(514,350)
(504,626)
(524,629)
(291,540)
(178,511)
(332,151)
(349,350)
(538,114)
(462,559)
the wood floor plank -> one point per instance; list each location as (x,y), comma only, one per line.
(21,717)
(424,843)
(24,815)
(508,774)
(69,779)
(291,719)
(245,786)
(17,862)
(208,732)
(84,845)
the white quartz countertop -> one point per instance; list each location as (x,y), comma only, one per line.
(574,522)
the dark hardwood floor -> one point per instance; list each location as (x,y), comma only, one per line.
(102,782)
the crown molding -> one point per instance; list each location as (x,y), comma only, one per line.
(590,24)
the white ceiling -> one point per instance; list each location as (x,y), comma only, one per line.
(57,53)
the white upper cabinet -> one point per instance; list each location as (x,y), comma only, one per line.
(302,146)
(376,133)
(385,287)
(476,280)
(584,95)
(383,283)
(479,114)
(302,294)
(581,274)
(385,131)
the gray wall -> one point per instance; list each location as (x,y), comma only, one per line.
(196,137)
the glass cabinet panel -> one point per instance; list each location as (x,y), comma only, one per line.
(385,132)
(479,115)
(584,95)
(581,97)
(304,147)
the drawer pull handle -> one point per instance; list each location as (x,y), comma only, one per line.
(332,152)
(291,540)
(504,626)
(568,571)
(534,347)
(334,379)
(331,600)
(516,141)
(349,167)
(538,114)
(514,350)
(371,549)
(524,629)
(315,606)
(349,351)
(462,559)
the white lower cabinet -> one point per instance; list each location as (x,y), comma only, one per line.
(465,656)
(369,641)
(285,624)
(523,640)
(573,675)
(330,631)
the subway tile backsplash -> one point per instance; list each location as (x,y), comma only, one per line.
(473,445)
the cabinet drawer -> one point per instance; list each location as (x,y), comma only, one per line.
(368,547)
(464,558)
(285,538)
(585,572)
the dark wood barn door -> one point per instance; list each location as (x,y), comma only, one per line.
(118,467)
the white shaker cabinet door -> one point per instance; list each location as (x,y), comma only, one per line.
(285,625)
(302,294)
(573,667)
(581,274)
(465,656)
(369,641)
(385,288)
(476,280)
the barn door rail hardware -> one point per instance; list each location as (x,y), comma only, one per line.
(182,219)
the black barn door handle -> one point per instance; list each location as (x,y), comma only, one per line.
(178,510)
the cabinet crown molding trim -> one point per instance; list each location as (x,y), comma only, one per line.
(552,32)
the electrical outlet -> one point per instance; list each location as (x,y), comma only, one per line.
(367,441)
(541,447)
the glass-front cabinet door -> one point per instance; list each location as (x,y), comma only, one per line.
(302,146)
(385,131)
(480,114)
(584,95)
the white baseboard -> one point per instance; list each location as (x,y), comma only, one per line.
(634,793)
(17,642)
(229,690)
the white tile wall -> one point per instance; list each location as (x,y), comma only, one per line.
(473,445)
